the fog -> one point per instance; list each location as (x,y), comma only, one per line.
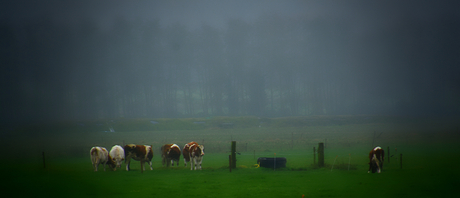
(84,60)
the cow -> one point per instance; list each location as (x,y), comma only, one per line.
(169,154)
(116,156)
(99,155)
(142,153)
(193,153)
(376,157)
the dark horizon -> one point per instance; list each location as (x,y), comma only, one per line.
(110,59)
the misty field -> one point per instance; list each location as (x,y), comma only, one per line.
(429,148)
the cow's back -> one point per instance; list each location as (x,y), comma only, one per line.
(100,153)
(174,151)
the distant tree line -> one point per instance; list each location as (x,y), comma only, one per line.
(275,66)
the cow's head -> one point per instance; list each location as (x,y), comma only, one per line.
(118,161)
(111,162)
(200,149)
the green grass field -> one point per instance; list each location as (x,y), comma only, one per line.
(430,159)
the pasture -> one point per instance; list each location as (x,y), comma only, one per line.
(429,146)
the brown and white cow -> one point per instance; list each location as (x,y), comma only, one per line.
(193,153)
(142,153)
(99,155)
(170,153)
(116,156)
(376,157)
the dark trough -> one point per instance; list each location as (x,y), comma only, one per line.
(269,162)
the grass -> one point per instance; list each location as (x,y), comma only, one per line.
(73,177)
(430,165)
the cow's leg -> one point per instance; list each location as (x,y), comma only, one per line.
(94,165)
(371,164)
(150,164)
(377,163)
(104,165)
(191,162)
(142,166)
(200,160)
(185,162)
(128,160)
(195,160)
(97,163)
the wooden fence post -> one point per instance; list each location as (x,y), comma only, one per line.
(233,154)
(321,155)
(388,154)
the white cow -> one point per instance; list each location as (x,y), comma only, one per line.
(117,156)
(99,155)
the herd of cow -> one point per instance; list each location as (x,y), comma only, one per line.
(170,153)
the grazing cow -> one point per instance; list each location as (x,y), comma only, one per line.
(193,153)
(99,155)
(142,153)
(116,156)
(376,157)
(170,153)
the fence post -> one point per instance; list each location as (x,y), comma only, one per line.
(321,155)
(388,154)
(233,154)
(400,160)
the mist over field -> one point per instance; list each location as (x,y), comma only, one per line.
(278,78)
(83,60)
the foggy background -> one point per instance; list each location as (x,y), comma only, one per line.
(65,60)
